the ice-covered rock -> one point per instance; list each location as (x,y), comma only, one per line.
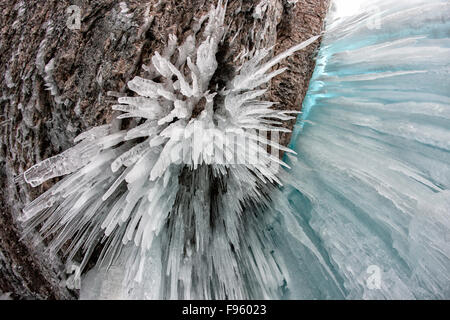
(178,179)
(369,193)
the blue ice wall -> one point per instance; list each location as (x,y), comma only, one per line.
(367,208)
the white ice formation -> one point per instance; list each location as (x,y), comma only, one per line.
(169,191)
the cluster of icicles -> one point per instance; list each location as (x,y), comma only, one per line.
(171,179)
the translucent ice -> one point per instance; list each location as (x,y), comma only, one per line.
(370,191)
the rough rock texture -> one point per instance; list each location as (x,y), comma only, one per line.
(54,83)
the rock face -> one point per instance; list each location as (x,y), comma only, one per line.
(55,79)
